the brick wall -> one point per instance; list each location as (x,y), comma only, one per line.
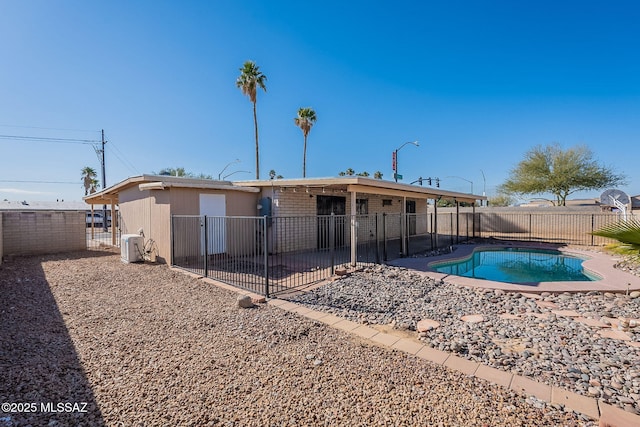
(300,231)
(27,233)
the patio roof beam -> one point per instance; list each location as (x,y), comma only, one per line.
(388,192)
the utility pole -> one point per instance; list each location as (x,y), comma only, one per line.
(104,185)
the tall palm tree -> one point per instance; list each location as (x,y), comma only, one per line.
(305,121)
(250,79)
(88,176)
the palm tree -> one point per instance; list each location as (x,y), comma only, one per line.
(94,186)
(377,175)
(305,121)
(88,176)
(250,79)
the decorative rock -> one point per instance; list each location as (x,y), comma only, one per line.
(614,334)
(507,316)
(244,301)
(635,294)
(546,304)
(472,318)
(566,313)
(593,391)
(426,325)
(594,383)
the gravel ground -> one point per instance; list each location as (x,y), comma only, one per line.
(558,339)
(142,345)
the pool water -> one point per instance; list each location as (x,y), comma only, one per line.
(514,265)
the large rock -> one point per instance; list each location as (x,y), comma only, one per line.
(426,325)
(244,301)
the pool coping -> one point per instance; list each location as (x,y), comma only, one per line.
(598,263)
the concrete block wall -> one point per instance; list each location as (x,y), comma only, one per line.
(28,233)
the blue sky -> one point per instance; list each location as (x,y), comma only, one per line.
(477,83)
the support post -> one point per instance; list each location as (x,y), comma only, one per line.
(332,241)
(473,220)
(457,222)
(206,249)
(265,251)
(403,227)
(104,185)
(377,242)
(113,223)
(172,234)
(435,222)
(384,236)
(354,231)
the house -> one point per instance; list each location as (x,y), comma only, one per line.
(148,203)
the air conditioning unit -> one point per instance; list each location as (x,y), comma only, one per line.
(131,248)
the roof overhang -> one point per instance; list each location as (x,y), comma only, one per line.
(366,186)
(160,182)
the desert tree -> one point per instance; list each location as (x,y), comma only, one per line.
(305,121)
(274,175)
(250,79)
(551,170)
(181,172)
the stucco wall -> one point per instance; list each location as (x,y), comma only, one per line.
(151,210)
(42,232)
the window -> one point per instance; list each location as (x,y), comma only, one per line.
(386,202)
(362,206)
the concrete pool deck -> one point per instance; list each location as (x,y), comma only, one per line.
(599,263)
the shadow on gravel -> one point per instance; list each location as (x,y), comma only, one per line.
(41,377)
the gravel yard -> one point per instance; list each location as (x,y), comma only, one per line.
(143,345)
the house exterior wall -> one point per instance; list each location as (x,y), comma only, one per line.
(42,232)
(296,226)
(239,234)
(151,210)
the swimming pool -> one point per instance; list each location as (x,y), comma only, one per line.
(518,265)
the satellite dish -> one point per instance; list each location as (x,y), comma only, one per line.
(610,197)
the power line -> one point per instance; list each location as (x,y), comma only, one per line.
(45,139)
(41,182)
(114,150)
(44,128)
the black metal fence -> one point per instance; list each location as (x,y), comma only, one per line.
(272,255)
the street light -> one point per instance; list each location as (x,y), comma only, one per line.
(225,168)
(464,179)
(225,177)
(395,157)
